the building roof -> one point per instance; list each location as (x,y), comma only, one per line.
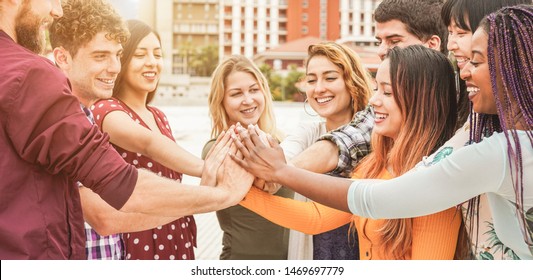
(297,49)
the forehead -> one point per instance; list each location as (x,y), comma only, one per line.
(149,41)
(480,41)
(321,63)
(391,27)
(101,44)
(238,79)
(382,75)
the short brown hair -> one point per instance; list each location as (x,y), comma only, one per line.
(82,20)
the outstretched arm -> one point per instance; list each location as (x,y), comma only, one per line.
(268,163)
(129,135)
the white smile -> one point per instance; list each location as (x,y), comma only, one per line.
(380,116)
(149,74)
(322,100)
(249,111)
(107,81)
(472,91)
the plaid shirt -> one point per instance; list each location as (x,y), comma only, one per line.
(353,141)
(100,247)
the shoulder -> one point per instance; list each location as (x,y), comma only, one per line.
(207,147)
(105,106)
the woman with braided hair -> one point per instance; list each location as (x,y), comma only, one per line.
(499,79)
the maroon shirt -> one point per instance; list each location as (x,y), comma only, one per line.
(46,145)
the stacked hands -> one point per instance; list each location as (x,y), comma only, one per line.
(255,158)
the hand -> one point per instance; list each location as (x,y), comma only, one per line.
(261,160)
(233,177)
(215,157)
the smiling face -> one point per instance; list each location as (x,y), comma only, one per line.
(326,90)
(244,100)
(388,117)
(94,69)
(477,76)
(393,33)
(459,43)
(144,69)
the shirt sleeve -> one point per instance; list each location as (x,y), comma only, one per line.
(307,217)
(103,107)
(468,172)
(48,128)
(353,141)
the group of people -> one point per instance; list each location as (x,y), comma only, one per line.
(92,171)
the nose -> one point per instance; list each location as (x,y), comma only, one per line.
(114,65)
(150,60)
(57,10)
(452,44)
(466,72)
(374,100)
(319,86)
(247,98)
(382,50)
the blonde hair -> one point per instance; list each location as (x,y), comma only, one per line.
(217,112)
(355,76)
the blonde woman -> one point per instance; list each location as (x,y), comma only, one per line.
(240,94)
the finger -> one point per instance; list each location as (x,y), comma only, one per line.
(254,138)
(240,147)
(273,142)
(220,136)
(239,161)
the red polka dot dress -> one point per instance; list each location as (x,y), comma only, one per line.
(173,241)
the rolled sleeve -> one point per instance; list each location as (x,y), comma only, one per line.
(353,141)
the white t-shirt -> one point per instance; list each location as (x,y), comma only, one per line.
(479,168)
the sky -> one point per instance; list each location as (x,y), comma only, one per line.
(126,8)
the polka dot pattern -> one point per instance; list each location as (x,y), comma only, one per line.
(172,241)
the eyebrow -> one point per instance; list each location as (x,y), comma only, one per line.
(477,52)
(390,36)
(324,73)
(251,86)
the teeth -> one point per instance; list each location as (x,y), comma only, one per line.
(149,75)
(324,99)
(472,89)
(107,81)
(248,110)
(381,116)
(462,59)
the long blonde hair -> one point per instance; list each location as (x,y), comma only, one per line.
(426,98)
(355,76)
(217,112)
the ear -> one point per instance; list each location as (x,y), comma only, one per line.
(434,43)
(62,58)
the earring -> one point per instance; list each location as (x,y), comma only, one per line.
(305,109)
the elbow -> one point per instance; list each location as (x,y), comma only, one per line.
(103,226)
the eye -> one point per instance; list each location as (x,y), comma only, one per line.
(311,81)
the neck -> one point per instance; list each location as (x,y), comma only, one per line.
(337,121)
(134,100)
(8,26)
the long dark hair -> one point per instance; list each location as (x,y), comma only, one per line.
(426,98)
(138,31)
(510,45)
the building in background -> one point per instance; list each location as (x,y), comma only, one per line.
(197,34)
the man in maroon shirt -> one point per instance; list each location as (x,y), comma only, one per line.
(47,145)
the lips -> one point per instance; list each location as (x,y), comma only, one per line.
(249,110)
(323,100)
(461,61)
(149,75)
(379,117)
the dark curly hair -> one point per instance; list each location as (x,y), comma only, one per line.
(82,20)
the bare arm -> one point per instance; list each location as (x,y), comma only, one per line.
(321,157)
(268,163)
(107,220)
(156,195)
(131,136)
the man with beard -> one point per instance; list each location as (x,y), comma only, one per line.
(47,146)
